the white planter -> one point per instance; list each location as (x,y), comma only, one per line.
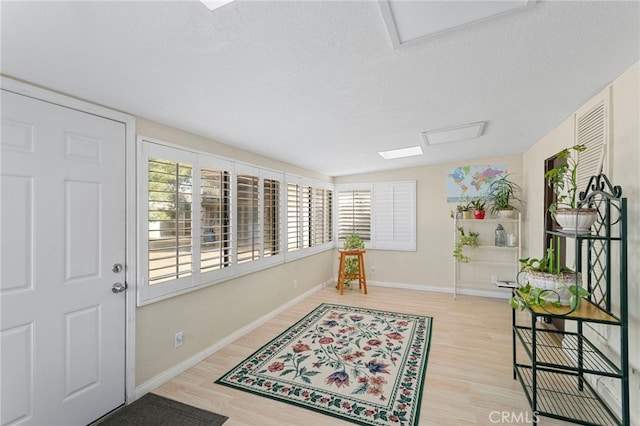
(505,213)
(576,221)
(556,286)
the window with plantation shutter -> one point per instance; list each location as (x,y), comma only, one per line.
(328,218)
(293,217)
(318,216)
(354,213)
(394,215)
(592,127)
(169,212)
(306,210)
(248,221)
(382,214)
(271,233)
(215,222)
(203,219)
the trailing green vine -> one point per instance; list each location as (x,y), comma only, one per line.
(470,240)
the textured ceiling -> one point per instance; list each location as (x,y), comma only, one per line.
(318,84)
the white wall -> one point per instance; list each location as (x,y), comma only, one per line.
(208,315)
(431,266)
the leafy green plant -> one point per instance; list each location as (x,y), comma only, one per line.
(502,194)
(564,178)
(351,266)
(470,240)
(478,204)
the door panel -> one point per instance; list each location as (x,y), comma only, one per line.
(63,227)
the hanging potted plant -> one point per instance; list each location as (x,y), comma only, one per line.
(478,208)
(501,196)
(546,282)
(470,240)
(564,182)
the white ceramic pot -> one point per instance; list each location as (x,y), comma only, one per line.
(505,213)
(576,221)
(556,285)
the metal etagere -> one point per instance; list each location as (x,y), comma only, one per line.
(562,368)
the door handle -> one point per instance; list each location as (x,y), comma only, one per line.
(119,287)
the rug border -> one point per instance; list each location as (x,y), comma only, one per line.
(326,413)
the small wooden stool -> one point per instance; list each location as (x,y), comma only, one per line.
(360,275)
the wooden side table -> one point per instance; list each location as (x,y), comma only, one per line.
(359,275)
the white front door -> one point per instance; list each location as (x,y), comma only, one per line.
(63,237)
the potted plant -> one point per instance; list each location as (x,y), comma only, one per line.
(501,195)
(351,266)
(548,282)
(470,240)
(564,182)
(478,208)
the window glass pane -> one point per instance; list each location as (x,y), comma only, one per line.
(215,227)
(170,242)
(248,219)
(271,222)
(293,217)
(354,213)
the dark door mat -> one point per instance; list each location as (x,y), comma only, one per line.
(155,410)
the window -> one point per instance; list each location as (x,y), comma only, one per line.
(215,223)
(354,213)
(309,216)
(271,234)
(382,214)
(204,219)
(322,217)
(306,209)
(293,217)
(169,236)
(248,220)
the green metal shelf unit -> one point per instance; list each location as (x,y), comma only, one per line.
(555,375)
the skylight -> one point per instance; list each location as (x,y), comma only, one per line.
(214,4)
(401,153)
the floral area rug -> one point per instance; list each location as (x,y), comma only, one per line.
(362,365)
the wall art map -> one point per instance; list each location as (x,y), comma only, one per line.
(471,182)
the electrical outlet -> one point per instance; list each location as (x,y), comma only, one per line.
(295,283)
(178,339)
(494,279)
(373,269)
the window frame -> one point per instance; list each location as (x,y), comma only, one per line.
(153,148)
(376,242)
(311,248)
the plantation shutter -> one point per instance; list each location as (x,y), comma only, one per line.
(170,223)
(293,217)
(307,208)
(271,214)
(394,213)
(215,223)
(592,130)
(248,221)
(354,213)
(319,223)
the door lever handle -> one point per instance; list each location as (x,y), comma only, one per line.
(119,287)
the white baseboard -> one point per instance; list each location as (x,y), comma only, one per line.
(443,289)
(177,369)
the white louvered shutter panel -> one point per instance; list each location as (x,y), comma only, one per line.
(592,130)
(354,213)
(395,215)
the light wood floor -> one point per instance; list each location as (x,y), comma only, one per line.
(469,373)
